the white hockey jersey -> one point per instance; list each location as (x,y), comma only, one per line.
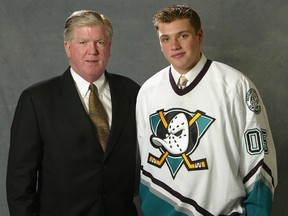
(206,149)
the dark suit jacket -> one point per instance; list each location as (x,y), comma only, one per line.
(56,166)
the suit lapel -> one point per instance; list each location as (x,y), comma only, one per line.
(120,105)
(74,110)
(73,107)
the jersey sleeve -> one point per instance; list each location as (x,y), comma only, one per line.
(140,119)
(258,166)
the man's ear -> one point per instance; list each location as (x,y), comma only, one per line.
(67,46)
(200,35)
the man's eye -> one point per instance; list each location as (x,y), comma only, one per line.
(101,43)
(164,40)
(183,36)
(82,43)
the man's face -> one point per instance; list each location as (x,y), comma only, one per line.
(89,52)
(180,44)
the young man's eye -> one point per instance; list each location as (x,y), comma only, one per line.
(183,36)
(164,40)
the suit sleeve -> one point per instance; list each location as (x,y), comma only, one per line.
(258,157)
(24,159)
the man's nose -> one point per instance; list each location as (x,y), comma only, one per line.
(93,49)
(175,45)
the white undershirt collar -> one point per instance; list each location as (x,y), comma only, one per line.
(192,74)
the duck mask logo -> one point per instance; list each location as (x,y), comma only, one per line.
(177,133)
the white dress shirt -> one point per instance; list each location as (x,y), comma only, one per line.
(103,92)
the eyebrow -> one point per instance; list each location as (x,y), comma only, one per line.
(178,33)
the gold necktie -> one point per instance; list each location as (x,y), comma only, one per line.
(98,116)
(182,82)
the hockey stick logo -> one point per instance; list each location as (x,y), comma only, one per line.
(176,133)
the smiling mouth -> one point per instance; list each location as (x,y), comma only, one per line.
(92,61)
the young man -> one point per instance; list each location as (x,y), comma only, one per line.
(62,160)
(205,143)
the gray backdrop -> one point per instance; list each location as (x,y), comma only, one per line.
(248,35)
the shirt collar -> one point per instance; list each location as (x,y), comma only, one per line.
(192,74)
(83,85)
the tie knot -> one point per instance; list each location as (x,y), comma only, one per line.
(182,82)
(93,88)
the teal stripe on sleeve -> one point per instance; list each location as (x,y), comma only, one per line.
(258,201)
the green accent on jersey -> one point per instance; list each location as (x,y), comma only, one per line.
(258,201)
(174,164)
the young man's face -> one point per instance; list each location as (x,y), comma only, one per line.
(89,52)
(180,44)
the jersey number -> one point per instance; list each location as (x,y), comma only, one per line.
(256,141)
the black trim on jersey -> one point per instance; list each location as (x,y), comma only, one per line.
(176,193)
(193,83)
(233,214)
(254,170)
